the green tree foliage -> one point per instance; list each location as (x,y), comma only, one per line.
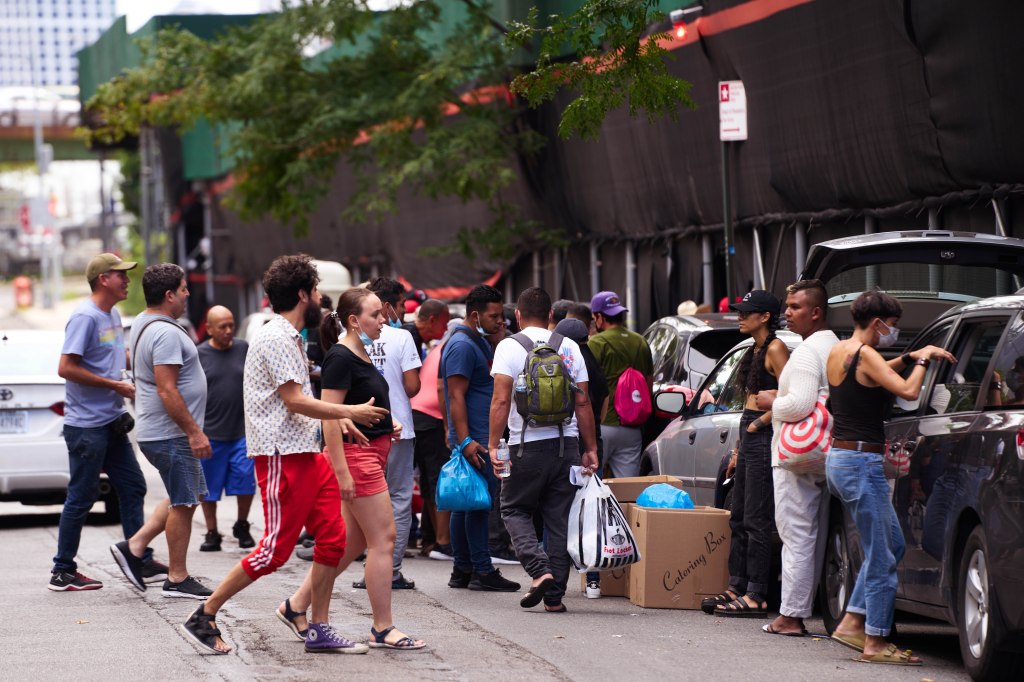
(379,98)
(613,62)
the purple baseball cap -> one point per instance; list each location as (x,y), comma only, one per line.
(606,303)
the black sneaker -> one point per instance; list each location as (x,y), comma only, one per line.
(504,557)
(62,581)
(189,588)
(304,553)
(492,582)
(460,579)
(129,564)
(211,543)
(241,531)
(442,553)
(154,572)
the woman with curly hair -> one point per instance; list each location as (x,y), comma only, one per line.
(753,497)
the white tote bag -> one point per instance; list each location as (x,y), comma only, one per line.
(599,537)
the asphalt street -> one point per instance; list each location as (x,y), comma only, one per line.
(118,633)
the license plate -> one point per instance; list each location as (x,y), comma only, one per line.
(13,421)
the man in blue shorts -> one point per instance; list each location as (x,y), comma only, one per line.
(229,470)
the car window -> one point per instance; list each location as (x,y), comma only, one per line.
(721,392)
(958,385)
(663,342)
(1007,389)
(936,337)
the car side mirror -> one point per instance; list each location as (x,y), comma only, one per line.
(670,402)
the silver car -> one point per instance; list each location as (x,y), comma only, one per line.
(33,455)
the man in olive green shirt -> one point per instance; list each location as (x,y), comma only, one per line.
(617,348)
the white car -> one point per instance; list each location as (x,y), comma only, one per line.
(33,455)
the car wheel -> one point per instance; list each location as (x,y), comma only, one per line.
(977,616)
(836,575)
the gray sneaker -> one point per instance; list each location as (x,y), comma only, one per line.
(129,564)
(189,588)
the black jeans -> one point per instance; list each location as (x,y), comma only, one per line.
(540,482)
(753,510)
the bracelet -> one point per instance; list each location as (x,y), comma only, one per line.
(907,359)
(923,362)
(996,386)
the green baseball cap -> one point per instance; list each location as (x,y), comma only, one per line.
(105,262)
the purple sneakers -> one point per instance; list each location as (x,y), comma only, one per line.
(322,638)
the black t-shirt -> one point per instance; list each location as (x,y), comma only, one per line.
(225,418)
(343,370)
(421,347)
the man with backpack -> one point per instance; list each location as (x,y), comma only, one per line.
(540,392)
(628,368)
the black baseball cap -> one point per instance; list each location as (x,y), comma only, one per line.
(758,301)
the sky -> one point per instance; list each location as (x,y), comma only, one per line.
(140,11)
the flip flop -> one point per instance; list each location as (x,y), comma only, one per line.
(767,627)
(855,642)
(890,656)
(739,608)
(536,594)
(558,608)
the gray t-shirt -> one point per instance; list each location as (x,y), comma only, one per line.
(164,342)
(98,338)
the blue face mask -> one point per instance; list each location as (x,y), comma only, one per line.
(395,323)
(479,329)
(364,337)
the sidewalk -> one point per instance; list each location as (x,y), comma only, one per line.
(74,288)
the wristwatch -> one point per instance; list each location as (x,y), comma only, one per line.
(923,362)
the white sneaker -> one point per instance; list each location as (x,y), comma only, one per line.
(593,589)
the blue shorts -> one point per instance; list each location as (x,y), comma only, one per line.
(179,469)
(229,470)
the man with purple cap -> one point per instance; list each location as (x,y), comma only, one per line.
(618,349)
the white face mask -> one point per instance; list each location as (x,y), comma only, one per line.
(889,339)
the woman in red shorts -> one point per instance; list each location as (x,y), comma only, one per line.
(348,376)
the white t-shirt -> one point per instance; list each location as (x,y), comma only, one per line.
(394,353)
(509,359)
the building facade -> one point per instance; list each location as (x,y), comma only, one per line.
(39,39)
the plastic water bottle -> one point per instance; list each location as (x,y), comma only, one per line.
(505,458)
(521,383)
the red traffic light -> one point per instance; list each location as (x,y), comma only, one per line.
(679,30)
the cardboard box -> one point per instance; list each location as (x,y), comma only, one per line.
(684,556)
(628,489)
(615,582)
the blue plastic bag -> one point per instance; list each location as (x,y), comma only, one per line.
(664,496)
(460,487)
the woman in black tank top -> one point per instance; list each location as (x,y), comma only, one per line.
(753,505)
(860,383)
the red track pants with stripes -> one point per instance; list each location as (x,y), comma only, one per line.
(298,490)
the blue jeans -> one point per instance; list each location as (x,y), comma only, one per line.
(470,532)
(858,480)
(90,451)
(181,472)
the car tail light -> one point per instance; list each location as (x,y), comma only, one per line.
(58,408)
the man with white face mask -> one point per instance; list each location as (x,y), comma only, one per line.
(398,359)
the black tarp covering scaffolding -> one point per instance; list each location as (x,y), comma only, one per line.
(882,108)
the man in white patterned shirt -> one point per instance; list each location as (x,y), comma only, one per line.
(298,483)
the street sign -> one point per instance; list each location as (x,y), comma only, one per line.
(732,111)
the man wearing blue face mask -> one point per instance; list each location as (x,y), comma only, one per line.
(466,372)
(398,360)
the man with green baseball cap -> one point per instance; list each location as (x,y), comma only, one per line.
(104,263)
(96,422)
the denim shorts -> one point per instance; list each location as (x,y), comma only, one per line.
(180,470)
